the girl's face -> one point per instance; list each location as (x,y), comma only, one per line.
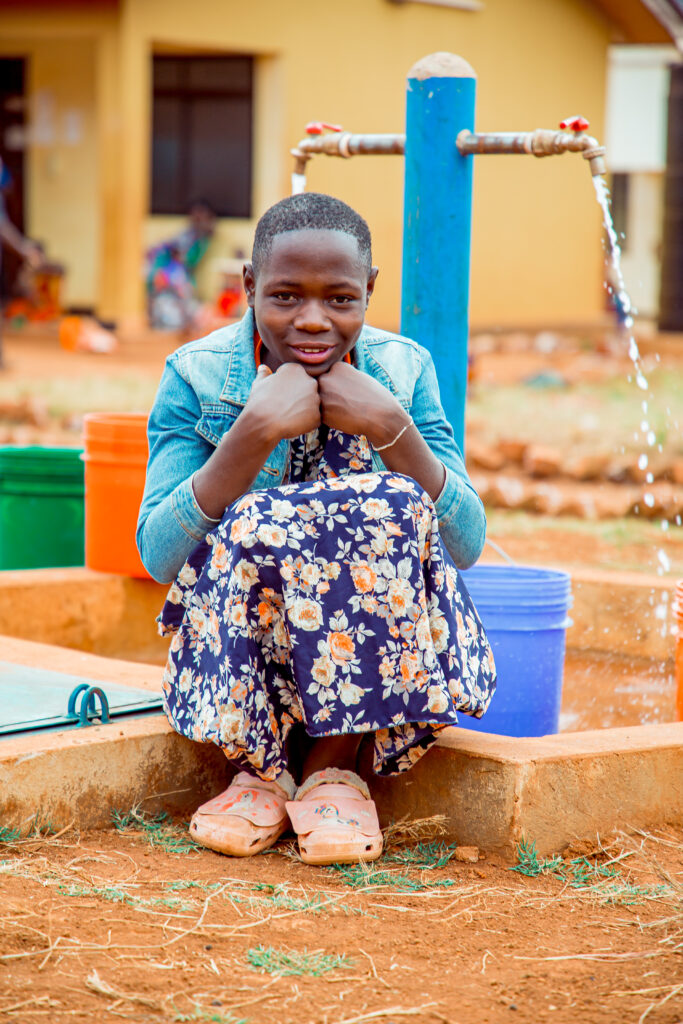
(309,298)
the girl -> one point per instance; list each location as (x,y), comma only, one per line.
(306,496)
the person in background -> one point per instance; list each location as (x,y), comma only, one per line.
(12,237)
(170,269)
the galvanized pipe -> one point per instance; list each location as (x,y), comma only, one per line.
(345,144)
(541,142)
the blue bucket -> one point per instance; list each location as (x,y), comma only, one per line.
(524,612)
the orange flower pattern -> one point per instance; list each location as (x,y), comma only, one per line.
(329,601)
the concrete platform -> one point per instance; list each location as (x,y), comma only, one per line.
(493,789)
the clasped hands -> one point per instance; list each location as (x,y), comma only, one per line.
(292,403)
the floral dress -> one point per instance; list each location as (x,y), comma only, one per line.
(330,601)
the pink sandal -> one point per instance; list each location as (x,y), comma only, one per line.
(245,818)
(335,819)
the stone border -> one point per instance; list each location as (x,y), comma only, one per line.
(493,790)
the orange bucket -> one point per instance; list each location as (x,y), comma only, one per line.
(115,456)
(679,650)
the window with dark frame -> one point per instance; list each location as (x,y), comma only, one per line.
(202,134)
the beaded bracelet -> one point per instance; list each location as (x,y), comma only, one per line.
(400,434)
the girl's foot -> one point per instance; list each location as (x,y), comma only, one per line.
(335,819)
(246,818)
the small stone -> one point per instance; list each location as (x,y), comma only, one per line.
(546,499)
(467,854)
(587,467)
(484,456)
(612,502)
(542,461)
(580,505)
(512,450)
(658,501)
(617,470)
(508,492)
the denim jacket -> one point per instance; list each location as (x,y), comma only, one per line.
(205,386)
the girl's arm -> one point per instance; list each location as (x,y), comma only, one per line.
(281,404)
(189,482)
(426,450)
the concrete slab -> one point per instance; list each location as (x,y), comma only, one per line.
(493,789)
(109,615)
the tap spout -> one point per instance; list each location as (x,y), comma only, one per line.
(542,142)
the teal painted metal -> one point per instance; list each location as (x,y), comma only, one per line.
(35,698)
(437,227)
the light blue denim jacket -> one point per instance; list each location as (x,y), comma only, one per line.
(205,386)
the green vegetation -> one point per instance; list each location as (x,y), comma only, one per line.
(9,835)
(365,876)
(601,880)
(286,963)
(129,392)
(585,417)
(423,855)
(199,1014)
(158,829)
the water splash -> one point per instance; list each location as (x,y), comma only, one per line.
(616,286)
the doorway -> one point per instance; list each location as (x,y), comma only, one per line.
(12,151)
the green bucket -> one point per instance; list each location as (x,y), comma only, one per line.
(41,507)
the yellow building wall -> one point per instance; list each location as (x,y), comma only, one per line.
(536,237)
(61,186)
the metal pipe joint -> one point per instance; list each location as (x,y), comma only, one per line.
(345,144)
(542,142)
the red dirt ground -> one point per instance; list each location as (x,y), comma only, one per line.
(104,926)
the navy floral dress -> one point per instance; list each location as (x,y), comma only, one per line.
(331,601)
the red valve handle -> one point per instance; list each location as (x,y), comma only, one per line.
(575,123)
(318,127)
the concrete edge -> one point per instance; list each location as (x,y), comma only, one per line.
(73,662)
(492,790)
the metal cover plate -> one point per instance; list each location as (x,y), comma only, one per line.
(37,698)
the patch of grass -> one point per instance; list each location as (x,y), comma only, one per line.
(123,392)
(363,876)
(188,883)
(105,892)
(602,880)
(158,829)
(9,835)
(423,855)
(199,1014)
(286,963)
(585,415)
(112,894)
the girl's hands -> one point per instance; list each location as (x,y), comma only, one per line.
(358,404)
(287,402)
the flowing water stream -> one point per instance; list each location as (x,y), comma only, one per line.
(616,287)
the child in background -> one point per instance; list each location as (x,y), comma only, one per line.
(170,270)
(307,500)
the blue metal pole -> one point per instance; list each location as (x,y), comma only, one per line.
(437,222)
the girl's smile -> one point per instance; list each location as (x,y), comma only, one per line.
(309,298)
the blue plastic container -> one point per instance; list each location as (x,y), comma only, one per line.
(524,611)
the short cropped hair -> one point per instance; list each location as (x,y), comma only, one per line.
(313,211)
